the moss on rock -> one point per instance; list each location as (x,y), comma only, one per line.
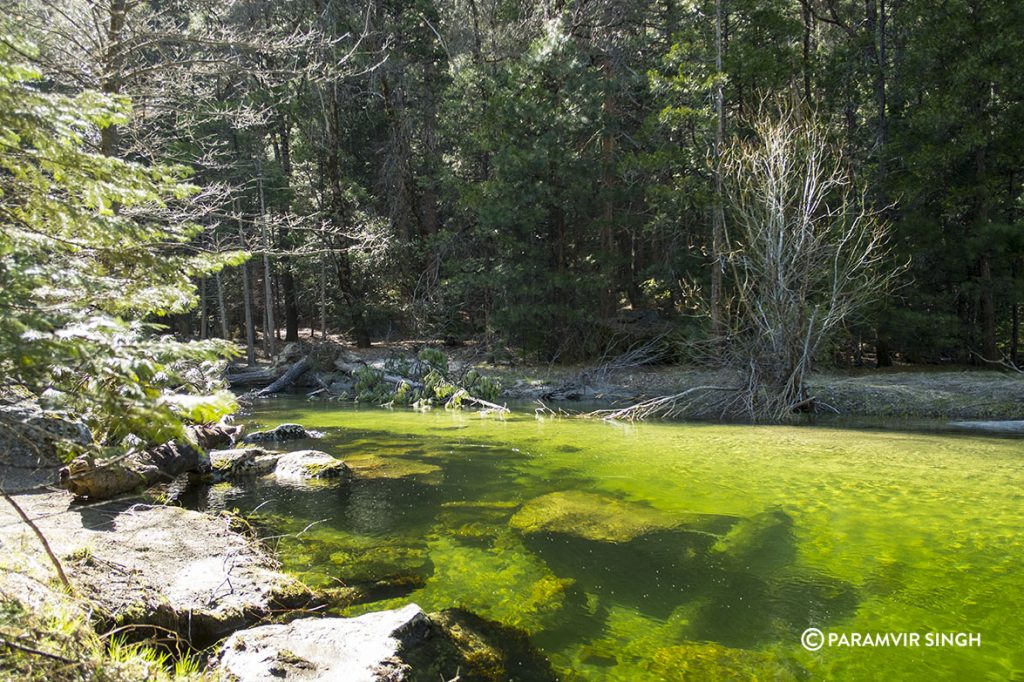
(592,516)
(710,661)
(377,466)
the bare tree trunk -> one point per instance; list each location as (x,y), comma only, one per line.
(987,312)
(224,333)
(323,300)
(250,331)
(287,278)
(268,282)
(114,65)
(203,313)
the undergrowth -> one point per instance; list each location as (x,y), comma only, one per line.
(55,643)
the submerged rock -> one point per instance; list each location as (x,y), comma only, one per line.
(400,645)
(280,433)
(303,465)
(481,651)
(710,661)
(364,565)
(376,466)
(592,516)
(761,543)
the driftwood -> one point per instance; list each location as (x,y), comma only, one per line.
(288,378)
(465,396)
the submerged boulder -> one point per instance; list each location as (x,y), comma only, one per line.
(366,565)
(762,543)
(303,465)
(711,661)
(377,466)
(280,433)
(400,645)
(600,518)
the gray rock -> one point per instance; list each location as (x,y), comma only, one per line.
(227,464)
(303,465)
(30,440)
(143,565)
(280,433)
(362,649)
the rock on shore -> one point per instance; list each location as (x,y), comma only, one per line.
(401,645)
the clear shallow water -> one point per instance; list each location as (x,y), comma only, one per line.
(844,530)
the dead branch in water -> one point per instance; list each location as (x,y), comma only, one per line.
(665,407)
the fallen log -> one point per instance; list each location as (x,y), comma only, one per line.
(85,477)
(253,377)
(351,369)
(288,378)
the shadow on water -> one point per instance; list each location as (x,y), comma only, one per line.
(739,588)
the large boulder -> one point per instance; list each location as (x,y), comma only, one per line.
(401,645)
(31,443)
(303,465)
(363,649)
(280,433)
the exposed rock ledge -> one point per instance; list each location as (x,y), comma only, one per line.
(153,565)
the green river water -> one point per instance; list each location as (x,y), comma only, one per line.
(667,551)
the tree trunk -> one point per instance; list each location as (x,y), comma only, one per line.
(250,330)
(224,333)
(987,312)
(287,278)
(269,328)
(288,378)
(718,221)
(338,212)
(114,65)
(204,327)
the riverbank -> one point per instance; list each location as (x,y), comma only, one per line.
(926,392)
(135,588)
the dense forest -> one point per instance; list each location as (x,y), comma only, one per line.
(540,173)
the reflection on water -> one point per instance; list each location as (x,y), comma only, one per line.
(667,551)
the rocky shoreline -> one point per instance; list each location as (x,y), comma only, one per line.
(155,572)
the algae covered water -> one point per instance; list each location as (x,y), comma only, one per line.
(670,551)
